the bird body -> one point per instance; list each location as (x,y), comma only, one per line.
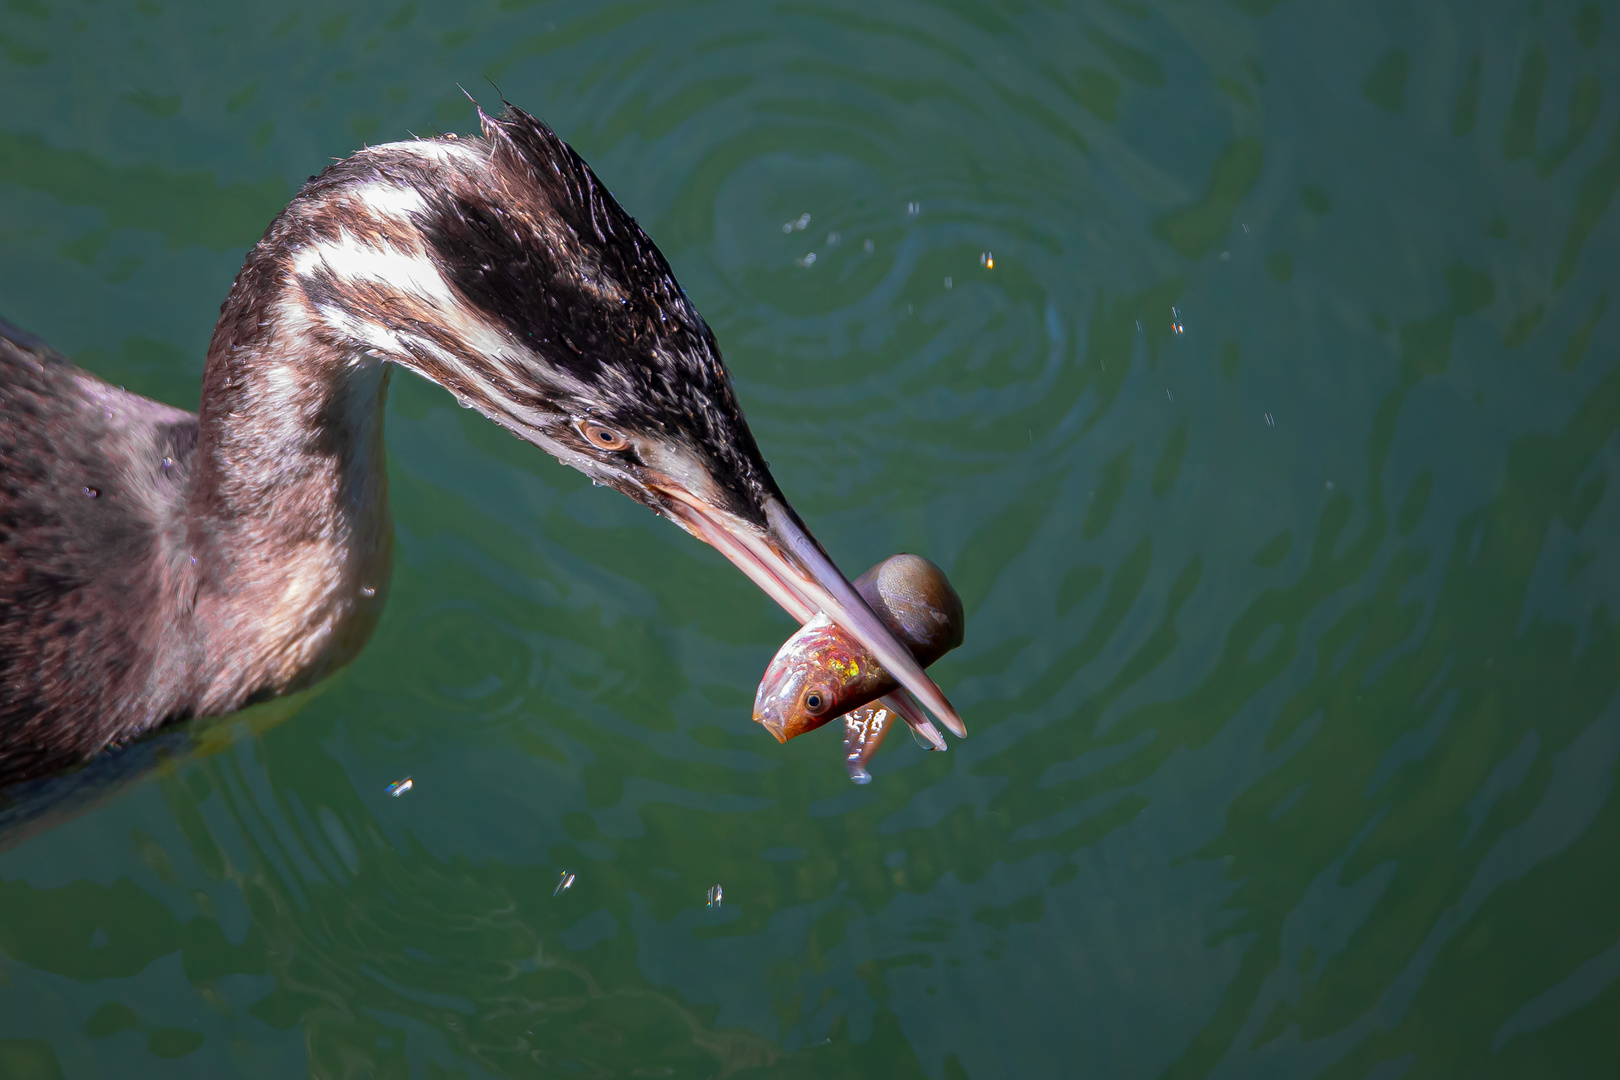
(156,564)
(129,595)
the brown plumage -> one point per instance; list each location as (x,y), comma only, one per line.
(156,565)
(93,486)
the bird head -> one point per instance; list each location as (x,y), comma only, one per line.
(501,268)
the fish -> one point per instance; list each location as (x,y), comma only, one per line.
(821,674)
(864,729)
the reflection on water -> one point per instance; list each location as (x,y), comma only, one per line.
(1269,454)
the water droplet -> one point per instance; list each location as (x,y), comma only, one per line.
(833,239)
(947,283)
(464,403)
(168,463)
(1269,421)
(913,208)
(921,740)
(400,787)
(596,483)
(870,247)
(1226,256)
(367,590)
(859,775)
(803,222)
(565,881)
(717,896)
(987,260)
(787,226)
(808,260)
(92,492)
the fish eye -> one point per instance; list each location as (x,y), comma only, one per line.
(816,701)
(603,438)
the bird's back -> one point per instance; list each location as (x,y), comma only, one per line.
(93,574)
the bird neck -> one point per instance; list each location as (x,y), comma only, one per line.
(289,504)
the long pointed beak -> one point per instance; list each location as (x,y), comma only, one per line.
(788,563)
(903,705)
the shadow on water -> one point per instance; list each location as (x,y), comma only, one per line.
(1267,777)
(30,809)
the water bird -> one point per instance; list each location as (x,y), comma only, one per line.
(157,564)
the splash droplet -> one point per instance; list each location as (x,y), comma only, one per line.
(987,260)
(717,896)
(400,787)
(808,260)
(92,492)
(922,741)
(565,881)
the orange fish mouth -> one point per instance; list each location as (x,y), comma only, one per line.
(804,686)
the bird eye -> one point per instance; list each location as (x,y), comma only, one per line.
(816,702)
(603,437)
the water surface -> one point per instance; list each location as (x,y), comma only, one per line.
(1251,367)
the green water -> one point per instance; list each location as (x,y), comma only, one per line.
(1291,663)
